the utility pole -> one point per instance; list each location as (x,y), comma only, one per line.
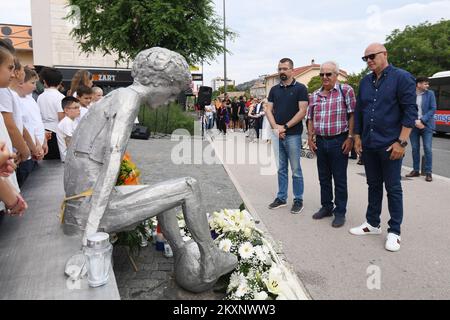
(224,53)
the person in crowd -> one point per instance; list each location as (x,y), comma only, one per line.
(256,114)
(81,78)
(286,109)
(32,122)
(12,202)
(235,114)
(330,136)
(424,127)
(51,111)
(385,114)
(31,111)
(208,121)
(222,118)
(266,134)
(84,95)
(241,114)
(11,110)
(248,103)
(67,126)
(97,94)
(227,104)
(9,188)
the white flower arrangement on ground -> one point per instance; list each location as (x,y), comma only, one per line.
(260,274)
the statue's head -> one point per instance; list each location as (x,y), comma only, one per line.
(165,73)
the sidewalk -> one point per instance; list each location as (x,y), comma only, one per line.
(34,249)
(331,263)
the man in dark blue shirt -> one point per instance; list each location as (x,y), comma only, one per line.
(385,114)
(286,109)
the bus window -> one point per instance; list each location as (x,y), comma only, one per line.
(444,97)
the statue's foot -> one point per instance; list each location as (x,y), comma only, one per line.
(218,264)
(189,273)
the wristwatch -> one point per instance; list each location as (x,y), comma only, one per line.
(286,126)
(403,143)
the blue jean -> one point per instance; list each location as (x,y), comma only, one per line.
(287,151)
(332,164)
(427,138)
(380,169)
(209,123)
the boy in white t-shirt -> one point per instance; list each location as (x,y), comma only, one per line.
(12,115)
(67,125)
(31,113)
(32,121)
(50,105)
(84,95)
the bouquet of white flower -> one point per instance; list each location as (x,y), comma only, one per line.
(260,274)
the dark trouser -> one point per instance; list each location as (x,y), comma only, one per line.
(380,169)
(53,150)
(24,170)
(258,126)
(222,125)
(332,164)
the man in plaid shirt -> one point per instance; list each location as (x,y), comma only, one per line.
(330,129)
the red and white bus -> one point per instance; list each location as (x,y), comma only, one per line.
(440,84)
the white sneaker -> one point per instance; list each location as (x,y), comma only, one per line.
(392,242)
(365,229)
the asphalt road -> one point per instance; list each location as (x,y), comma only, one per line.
(441,156)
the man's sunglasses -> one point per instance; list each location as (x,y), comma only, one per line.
(371,56)
(328,74)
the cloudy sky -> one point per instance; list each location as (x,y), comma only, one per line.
(303,30)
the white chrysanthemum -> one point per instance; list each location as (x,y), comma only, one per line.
(246,250)
(235,280)
(225,245)
(260,254)
(242,289)
(260,295)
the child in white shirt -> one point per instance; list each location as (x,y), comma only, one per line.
(67,125)
(84,95)
(50,105)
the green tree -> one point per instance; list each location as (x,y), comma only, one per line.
(314,84)
(422,50)
(230,88)
(354,79)
(126,27)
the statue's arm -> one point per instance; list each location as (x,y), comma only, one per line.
(108,176)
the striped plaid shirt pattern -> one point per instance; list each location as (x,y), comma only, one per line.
(329,113)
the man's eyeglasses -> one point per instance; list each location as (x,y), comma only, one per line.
(72,108)
(328,74)
(284,69)
(371,56)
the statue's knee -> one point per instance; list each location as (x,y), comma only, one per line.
(191,182)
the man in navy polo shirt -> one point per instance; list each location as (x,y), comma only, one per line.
(385,114)
(286,108)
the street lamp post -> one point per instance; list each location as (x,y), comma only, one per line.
(224,53)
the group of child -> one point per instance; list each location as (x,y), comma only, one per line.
(35,127)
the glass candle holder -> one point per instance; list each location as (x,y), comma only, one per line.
(98,253)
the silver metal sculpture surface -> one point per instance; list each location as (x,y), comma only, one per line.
(93,163)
